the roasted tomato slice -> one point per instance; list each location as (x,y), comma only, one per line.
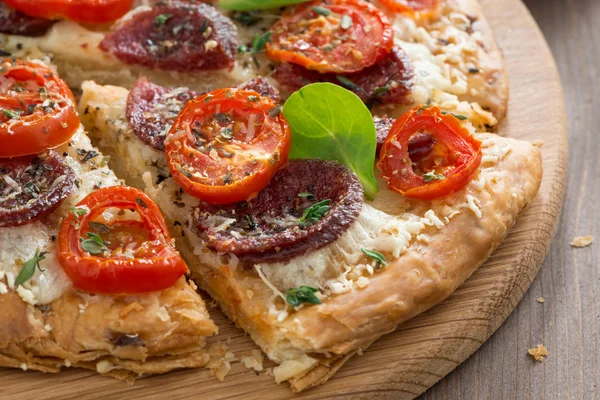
(420,7)
(339,36)
(428,154)
(116,241)
(37,109)
(84,11)
(226,145)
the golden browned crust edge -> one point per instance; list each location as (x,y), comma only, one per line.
(78,330)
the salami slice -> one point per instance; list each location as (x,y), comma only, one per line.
(15,23)
(389,81)
(151,110)
(262,86)
(32,187)
(382,129)
(307,205)
(175,35)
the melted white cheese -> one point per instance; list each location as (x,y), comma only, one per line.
(19,244)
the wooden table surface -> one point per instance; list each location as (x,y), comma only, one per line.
(568,322)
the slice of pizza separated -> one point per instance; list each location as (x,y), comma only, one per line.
(291,250)
(89,276)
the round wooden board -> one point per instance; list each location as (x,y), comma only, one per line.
(404,364)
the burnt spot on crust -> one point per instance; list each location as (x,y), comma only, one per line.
(307,205)
(151,110)
(262,86)
(32,187)
(390,81)
(175,35)
(122,340)
(15,23)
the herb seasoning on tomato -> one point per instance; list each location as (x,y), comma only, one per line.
(84,11)
(115,241)
(428,154)
(226,145)
(37,109)
(339,36)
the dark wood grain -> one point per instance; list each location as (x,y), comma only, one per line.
(568,322)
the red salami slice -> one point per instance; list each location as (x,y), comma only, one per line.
(32,187)
(175,35)
(262,86)
(16,23)
(389,81)
(382,129)
(151,110)
(307,205)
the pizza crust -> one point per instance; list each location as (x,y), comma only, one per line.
(459,233)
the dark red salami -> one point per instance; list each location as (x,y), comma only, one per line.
(32,187)
(175,35)
(263,87)
(16,23)
(389,81)
(151,110)
(382,129)
(307,205)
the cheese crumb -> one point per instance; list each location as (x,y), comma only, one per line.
(540,300)
(362,282)
(539,352)
(104,367)
(47,328)
(23,366)
(582,241)
(26,295)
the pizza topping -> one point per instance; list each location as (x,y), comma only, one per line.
(389,81)
(302,294)
(30,266)
(152,109)
(177,36)
(83,11)
(428,154)
(262,86)
(338,36)
(307,205)
(31,187)
(227,144)
(249,5)
(37,109)
(418,7)
(382,129)
(121,245)
(13,22)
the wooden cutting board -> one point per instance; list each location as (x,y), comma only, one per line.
(404,364)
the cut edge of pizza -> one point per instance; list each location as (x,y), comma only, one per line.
(395,259)
(47,322)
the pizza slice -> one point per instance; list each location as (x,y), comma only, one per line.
(440,51)
(291,250)
(89,276)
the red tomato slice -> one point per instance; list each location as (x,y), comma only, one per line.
(339,36)
(116,241)
(428,154)
(37,109)
(226,145)
(417,7)
(84,11)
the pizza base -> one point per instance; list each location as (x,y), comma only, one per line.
(311,343)
(47,324)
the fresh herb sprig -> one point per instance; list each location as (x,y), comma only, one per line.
(315,212)
(375,255)
(247,5)
(93,244)
(29,267)
(432,176)
(302,294)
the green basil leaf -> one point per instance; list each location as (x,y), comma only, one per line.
(29,267)
(332,123)
(247,5)
(315,212)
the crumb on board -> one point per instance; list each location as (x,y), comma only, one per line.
(538,353)
(220,361)
(254,361)
(582,241)
(537,143)
(540,299)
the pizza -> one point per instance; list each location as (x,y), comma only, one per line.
(327,169)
